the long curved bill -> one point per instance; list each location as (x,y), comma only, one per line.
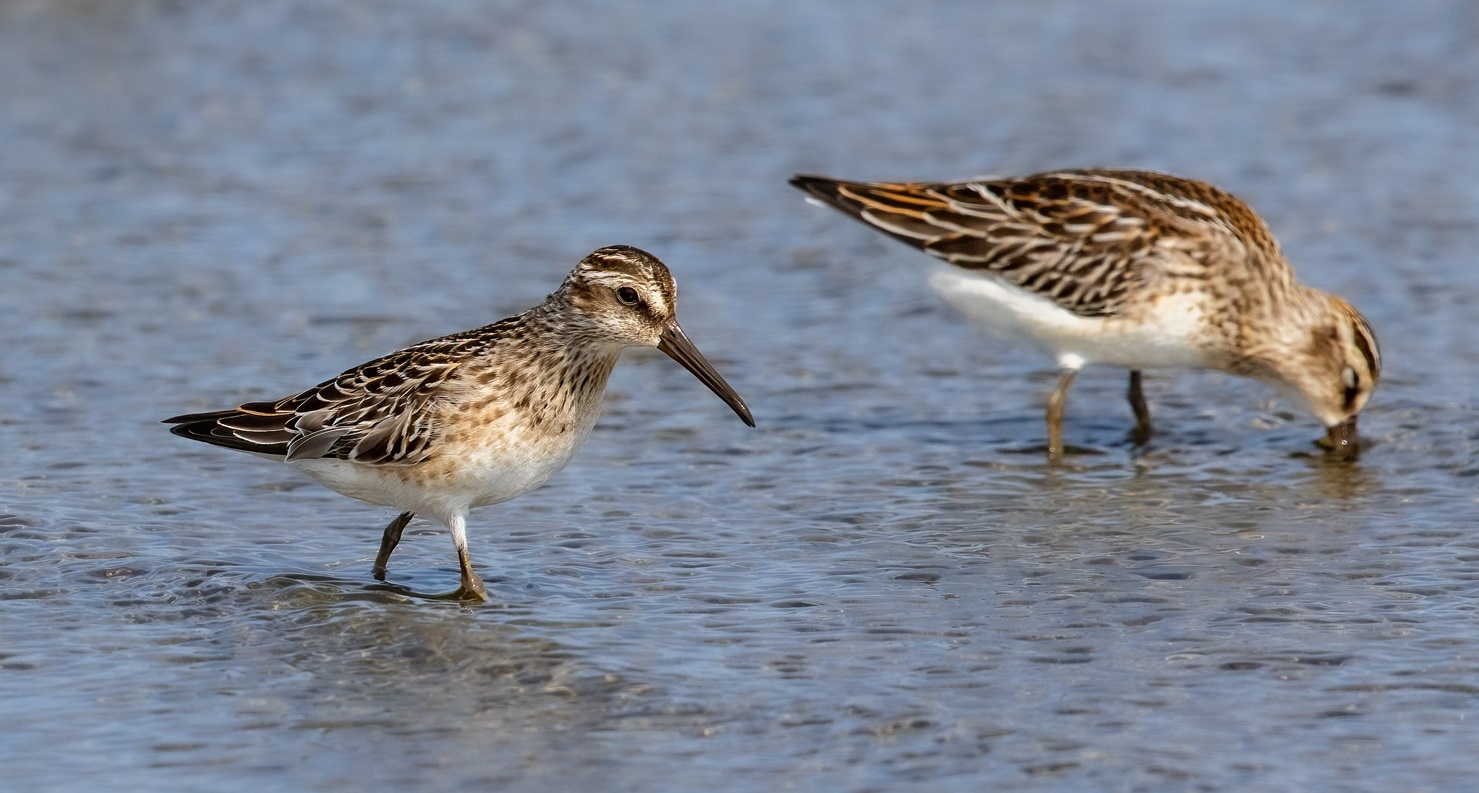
(676,344)
(1341,439)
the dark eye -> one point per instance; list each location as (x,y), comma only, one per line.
(1352,383)
(627,295)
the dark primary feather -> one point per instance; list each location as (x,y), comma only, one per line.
(204,427)
(1084,239)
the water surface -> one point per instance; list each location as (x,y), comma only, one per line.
(884,587)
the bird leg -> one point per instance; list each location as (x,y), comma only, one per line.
(1056,403)
(1142,410)
(391,538)
(472,586)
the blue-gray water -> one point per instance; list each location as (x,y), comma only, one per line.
(884,587)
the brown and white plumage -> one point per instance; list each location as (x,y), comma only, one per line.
(1134,268)
(473,418)
(374,413)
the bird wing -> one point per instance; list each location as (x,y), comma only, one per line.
(379,412)
(1083,239)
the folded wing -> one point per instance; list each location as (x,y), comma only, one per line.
(1083,239)
(379,412)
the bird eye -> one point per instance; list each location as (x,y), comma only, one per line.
(627,295)
(1352,383)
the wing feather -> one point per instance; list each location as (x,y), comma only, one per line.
(381,412)
(1084,239)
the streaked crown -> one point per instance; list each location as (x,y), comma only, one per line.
(627,293)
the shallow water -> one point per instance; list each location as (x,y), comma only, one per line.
(884,587)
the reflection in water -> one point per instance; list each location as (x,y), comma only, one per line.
(1344,481)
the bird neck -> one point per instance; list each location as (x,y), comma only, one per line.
(1277,337)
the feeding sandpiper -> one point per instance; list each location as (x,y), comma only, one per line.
(1133,268)
(477,417)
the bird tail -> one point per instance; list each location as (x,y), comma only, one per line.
(254,427)
(902,210)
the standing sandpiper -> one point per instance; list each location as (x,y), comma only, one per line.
(1133,268)
(474,418)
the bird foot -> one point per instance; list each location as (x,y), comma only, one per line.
(472,589)
(1141,434)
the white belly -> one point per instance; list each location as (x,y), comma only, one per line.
(493,470)
(1164,341)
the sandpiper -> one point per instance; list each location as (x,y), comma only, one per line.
(473,418)
(1132,268)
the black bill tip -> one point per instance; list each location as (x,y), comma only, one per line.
(1341,440)
(677,346)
